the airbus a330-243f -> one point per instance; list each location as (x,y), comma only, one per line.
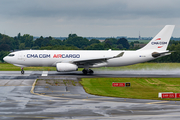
(71,60)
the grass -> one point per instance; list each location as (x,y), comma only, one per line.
(141,88)
(140,66)
(144,66)
(10,67)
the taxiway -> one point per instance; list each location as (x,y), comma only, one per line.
(19,99)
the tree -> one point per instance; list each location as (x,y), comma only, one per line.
(54,42)
(28,40)
(19,36)
(95,46)
(120,47)
(72,35)
(8,41)
(4,47)
(124,42)
(22,46)
(46,41)
(1,36)
(16,42)
(2,55)
(38,41)
(77,41)
(92,41)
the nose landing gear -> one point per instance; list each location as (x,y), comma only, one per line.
(22,71)
(86,71)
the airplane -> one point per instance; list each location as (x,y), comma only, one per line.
(71,60)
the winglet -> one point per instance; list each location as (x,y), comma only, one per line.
(119,55)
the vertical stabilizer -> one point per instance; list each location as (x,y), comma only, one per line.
(161,40)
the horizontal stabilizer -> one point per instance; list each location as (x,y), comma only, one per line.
(156,54)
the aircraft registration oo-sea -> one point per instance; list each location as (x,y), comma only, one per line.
(71,60)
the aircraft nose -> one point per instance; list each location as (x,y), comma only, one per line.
(5,59)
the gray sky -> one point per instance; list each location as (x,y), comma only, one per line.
(94,18)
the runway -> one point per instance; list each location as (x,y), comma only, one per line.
(78,74)
(72,102)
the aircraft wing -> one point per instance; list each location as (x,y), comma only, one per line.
(95,60)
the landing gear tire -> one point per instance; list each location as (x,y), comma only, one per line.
(85,72)
(22,71)
(91,71)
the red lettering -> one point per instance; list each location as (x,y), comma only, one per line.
(54,56)
(57,56)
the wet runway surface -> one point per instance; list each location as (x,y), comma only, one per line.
(19,100)
(78,74)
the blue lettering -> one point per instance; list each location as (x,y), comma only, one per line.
(158,43)
(48,56)
(78,56)
(28,55)
(63,56)
(35,56)
(70,55)
(67,56)
(40,55)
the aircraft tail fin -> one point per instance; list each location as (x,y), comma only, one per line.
(161,40)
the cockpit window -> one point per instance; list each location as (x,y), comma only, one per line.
(11,55)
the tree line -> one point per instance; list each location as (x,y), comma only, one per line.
(74,42)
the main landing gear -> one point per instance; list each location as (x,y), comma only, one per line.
(22,71)
(86,71)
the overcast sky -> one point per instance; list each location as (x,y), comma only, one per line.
(95,18)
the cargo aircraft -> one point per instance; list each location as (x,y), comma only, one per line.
(71,60)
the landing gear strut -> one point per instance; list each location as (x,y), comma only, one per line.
(86,71)
(22,71)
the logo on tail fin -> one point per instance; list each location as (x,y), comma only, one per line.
(158,39)
(158,43)
(160,46)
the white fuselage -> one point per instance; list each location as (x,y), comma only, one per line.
(50,58)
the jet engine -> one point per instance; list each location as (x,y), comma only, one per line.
(65,67)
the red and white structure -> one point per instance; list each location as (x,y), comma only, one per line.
(169,95)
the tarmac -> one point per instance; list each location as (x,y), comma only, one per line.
(20,98)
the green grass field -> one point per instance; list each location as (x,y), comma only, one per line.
(140,66)
(10,67)
(141,88)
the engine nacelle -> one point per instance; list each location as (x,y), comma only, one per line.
(65,67)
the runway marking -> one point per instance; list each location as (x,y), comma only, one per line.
(65,95)
(102,98)
(44,73)
(157,102)
(28,116)
(52,91)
